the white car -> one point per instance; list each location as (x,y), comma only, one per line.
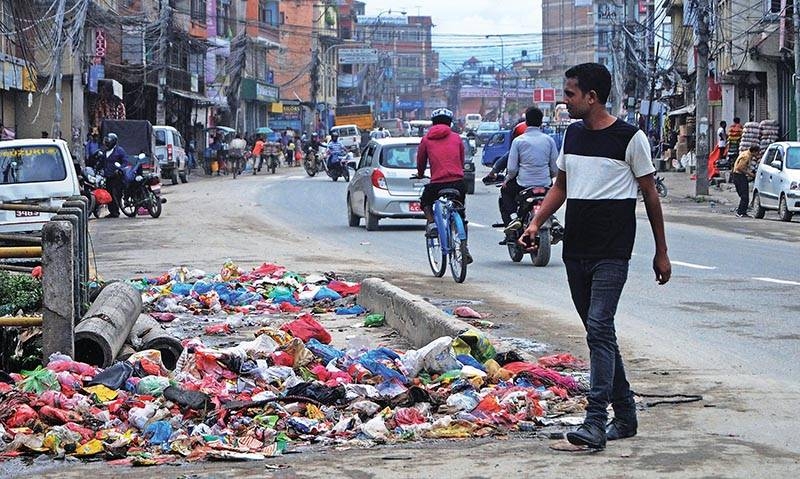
(777,182)
(34,172)
(172,157)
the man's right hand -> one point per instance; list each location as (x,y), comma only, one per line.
(528,238)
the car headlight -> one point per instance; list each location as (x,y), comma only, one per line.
(469,166)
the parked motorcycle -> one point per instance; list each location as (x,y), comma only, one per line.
(529,201)
(137,191)
(93,187)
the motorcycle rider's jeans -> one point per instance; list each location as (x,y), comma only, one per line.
(596,286)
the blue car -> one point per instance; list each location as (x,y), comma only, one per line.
(497,146)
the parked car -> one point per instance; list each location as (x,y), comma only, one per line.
(381,186)
(495,147)
(349,136)
(34,172)
(485,130)
(777,182)
(171,155)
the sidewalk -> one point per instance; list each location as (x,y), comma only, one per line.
(682,194)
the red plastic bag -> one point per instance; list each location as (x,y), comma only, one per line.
(23,414)
(288,307)
(219,328)
(282,358)
(467,312)
(343,288)
(103,197)
(408,416)
(306,327)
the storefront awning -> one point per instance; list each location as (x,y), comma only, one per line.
(689,109)
(193,96)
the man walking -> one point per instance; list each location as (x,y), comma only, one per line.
(741,174)
(602,163)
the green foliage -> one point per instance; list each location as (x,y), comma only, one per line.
(19,292)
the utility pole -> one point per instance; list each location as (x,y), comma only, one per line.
(58,74)
(701,98)
(796,16)
(78,120)
(161,59)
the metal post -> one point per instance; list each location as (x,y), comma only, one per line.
(502,77)
(701,98)
(58,300)
(797,70)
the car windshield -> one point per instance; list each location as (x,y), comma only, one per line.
(489,126)
(399,156)
(793,158)
(31,164)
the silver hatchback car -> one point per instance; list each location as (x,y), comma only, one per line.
(381,186)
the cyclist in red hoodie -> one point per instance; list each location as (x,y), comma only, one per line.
(443,151)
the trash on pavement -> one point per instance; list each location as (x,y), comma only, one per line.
(250,396)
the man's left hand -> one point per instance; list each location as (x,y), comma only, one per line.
(662,268)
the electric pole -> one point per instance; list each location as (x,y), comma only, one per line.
(796,16)
(701,98)
(161,110)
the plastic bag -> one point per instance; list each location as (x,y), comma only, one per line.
(375,429)
(138,416)
(306,327)
(467,312)
(435,357)
(182,289)
(327,293)
(464,401)
(40,380)
(202,287)
(476,344)
(158,432)
(323,351)
(374,320)
(152,385)
(355,309)
(407,416)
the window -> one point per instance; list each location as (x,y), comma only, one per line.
(31,164)
(196,64)
(161,137)
(224,23)
(769,156)
(198,11)
(268,12)
(400,157)
(772,6)
(793,158)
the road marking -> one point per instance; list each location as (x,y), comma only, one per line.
(295,177)
(692,265)
(778,281)
(476,225)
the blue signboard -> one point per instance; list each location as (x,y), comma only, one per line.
(410,104)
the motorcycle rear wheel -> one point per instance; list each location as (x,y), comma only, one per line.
(308,165)
(515,251)
(542,255)
(153,204)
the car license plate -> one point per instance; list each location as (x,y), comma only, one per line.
(26,214)
(419,186)
(414,206)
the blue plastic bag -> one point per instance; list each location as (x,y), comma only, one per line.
(326,293)
(382,370)
(323,351)
(158,432)
(202,287)
(468,360)
(182,289)
(355,309)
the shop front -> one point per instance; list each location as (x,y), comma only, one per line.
(257,98)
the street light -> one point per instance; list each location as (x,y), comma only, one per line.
(502,77)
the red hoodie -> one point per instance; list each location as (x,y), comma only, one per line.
(444,151)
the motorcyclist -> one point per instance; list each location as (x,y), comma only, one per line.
(114,154)
(336,151)
(443,151)
(531,163)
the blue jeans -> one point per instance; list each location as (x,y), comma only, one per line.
(596,286)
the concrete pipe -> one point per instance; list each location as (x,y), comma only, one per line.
(147,333)
(104,329)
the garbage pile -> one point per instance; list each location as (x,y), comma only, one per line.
(286,386)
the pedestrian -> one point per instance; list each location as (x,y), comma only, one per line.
(91,147)
(258,154)
(722,138)
(602,164)
(191,154)
(741,175)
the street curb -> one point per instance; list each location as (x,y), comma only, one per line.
(415,319)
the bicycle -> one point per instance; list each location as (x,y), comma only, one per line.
(451,241)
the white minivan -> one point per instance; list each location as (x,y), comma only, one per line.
(777,183)
(472,121)
(34,172)
(171,154)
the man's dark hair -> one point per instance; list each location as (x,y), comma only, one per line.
(736,119)
(441,120)
(723,123)
(533,116)
(592,76)
(754,149)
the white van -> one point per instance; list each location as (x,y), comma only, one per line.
(472,121)
(35,172)
(171,154)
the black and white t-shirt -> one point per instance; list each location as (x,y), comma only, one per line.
(601,168)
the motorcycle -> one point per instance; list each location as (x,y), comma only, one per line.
(93,187)
(660,186)
(529,201)
(312,161)
(137,190)
(338,167)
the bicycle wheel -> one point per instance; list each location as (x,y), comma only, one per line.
(436,257)
(458,250)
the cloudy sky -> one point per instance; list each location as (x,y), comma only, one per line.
(461,25)
(470,16)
